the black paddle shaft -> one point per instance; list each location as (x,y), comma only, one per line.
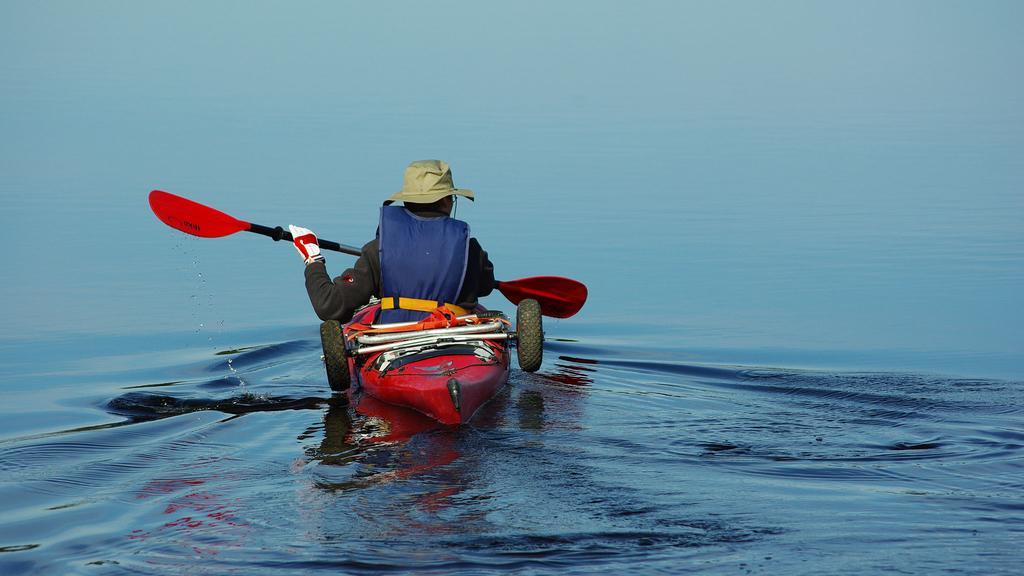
(278,233)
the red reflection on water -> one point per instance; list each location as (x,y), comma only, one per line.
(166,486)
(384,430)
(204,512)
(399,423)
(572,374)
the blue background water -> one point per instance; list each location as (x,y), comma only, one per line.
(821,203)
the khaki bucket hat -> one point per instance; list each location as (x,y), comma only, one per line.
(428,181)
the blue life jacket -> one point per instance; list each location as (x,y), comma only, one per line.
(420,258)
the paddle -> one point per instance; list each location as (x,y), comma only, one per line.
(199,220)
(558,297)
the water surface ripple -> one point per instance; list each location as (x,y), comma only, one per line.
(602,460)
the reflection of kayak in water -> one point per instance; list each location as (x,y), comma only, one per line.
(444,367)
(369,445)
(388,422)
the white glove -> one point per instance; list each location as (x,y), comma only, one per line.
(306,244)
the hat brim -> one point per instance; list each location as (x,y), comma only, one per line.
(429,197)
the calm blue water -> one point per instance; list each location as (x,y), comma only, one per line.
(801,226)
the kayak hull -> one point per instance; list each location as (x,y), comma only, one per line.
(447,383)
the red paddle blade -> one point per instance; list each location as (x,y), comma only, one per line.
(558,297)
(193,218)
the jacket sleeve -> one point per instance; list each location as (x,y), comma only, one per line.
(486,283)
(339,298)
(479,281)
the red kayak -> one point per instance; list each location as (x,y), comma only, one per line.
(446,369)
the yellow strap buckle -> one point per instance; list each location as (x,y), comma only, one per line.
(419,305)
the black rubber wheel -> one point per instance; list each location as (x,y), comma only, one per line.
(529,335)
(335,362)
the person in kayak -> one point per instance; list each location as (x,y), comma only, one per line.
(421,259)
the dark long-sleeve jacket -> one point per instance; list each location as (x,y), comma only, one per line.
(338,298)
